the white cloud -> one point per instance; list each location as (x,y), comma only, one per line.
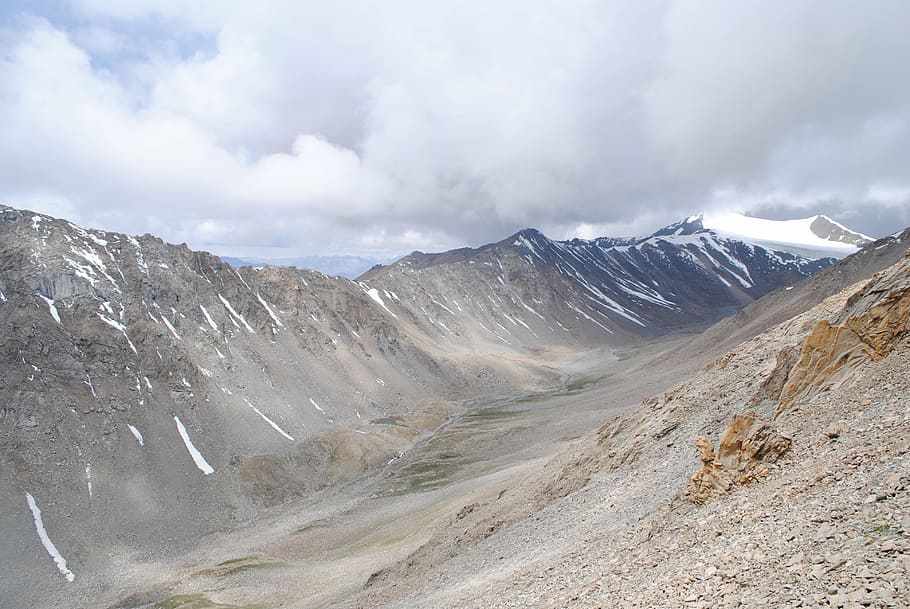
(428,125)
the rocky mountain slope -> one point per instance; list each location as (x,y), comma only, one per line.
(778,475)
(533,290)
(782,304)
(153,395)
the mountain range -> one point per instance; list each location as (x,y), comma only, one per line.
(681,276)
(153,395)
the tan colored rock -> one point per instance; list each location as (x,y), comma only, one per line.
(827,354)
(746,447)
(834,430)
(831,353)
(884,322)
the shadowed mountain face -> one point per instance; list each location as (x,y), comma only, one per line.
(152,394)
(530,289)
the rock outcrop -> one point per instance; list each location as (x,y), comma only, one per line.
(746,448)
(875,318)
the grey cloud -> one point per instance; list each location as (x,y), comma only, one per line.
(343,128)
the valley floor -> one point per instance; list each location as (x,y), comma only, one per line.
(322,550)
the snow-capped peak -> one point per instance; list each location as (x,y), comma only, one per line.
(689,226)
(816,237)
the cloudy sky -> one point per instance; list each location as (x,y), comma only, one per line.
(298,127)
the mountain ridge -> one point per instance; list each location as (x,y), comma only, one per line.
(842,239)
(676,277)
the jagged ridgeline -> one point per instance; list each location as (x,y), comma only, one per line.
(530,289)
(150,394)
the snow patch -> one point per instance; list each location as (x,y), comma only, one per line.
(269,421)
(122,328)
(374,294)
(208,318)
(786,235)
(46,541)
(269,310)
(91,386)
(235,314)
(170,327)
(137,435)
(51,307)
(198,459)
(140,258)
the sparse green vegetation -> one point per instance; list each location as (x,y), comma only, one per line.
(316,524)
(884,529)
(386,421)
(426,475)
(188,601)
(579,383)
(244,563)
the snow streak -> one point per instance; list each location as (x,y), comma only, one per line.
(235,314)
(52,308)
(269,421)
(137,435)
(46,541)
(374,294)
(269,310)
(198,459)
(208,318)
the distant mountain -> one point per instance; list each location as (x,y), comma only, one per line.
(529,288)
(336,266)
(815,237)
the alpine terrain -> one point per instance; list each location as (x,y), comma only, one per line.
(531,423)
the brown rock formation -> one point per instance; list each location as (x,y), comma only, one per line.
(831,352)
(746,447)
(827,354)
